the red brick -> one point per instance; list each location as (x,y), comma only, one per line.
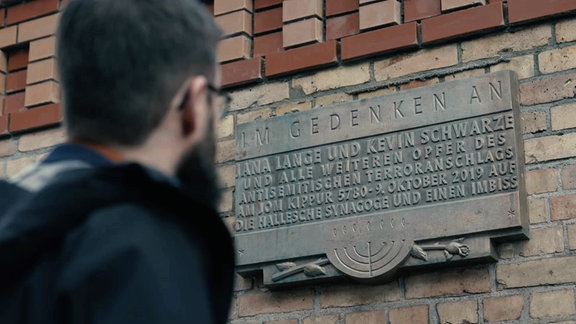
(268,20)
(241,72)
(380,41)
(34,118)
(563,207)
(261,4)
(14,102)
(225,6)
(420,9)
(526,10)
(302,32)
(301,58)
(17,59)
(336,7)
(463,23)
(342,26)
(448,5)
(379,14)
(30,10)
(16,81)
(268,43)
(234,48)
(235,22)
(37,28)
(298,9)
(4,124)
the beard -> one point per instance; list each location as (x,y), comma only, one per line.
(197,171)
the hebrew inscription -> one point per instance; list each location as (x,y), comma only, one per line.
(364,187)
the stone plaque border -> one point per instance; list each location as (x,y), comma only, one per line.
(420,178)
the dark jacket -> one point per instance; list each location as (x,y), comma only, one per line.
(10,194)
(114,245)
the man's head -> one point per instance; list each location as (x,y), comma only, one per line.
(122,62)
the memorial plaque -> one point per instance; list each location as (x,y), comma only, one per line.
(420,178)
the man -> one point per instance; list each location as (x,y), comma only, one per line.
(120,224)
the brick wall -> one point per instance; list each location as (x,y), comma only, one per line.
(293,55)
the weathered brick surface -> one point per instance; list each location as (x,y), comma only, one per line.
(533,121)
(448,282)
(458,312)
(417,62)
(225,151)
(540,181)
(259,95)
(564,116)
(550,148)
(226,201)
(332,99)
(568,175)
(227,175)
(522,65)
(419,83)
(571,229)
(345,295)
(40,140)
(552,303)
(285,321)
(536,272)
(555,60)
(566,31)
(251,115)
(500,43)
(543,241)
(365,317)
(335,78)
(254,303)
(293,107)
(326,319)
(563,207)
(548,89)
(7,147)
(465,74)
(414,315)
(537,210)
(226,127)
(507,308)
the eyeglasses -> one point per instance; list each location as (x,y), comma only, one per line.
(221,99)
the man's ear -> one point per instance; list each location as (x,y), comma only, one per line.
(194,110)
